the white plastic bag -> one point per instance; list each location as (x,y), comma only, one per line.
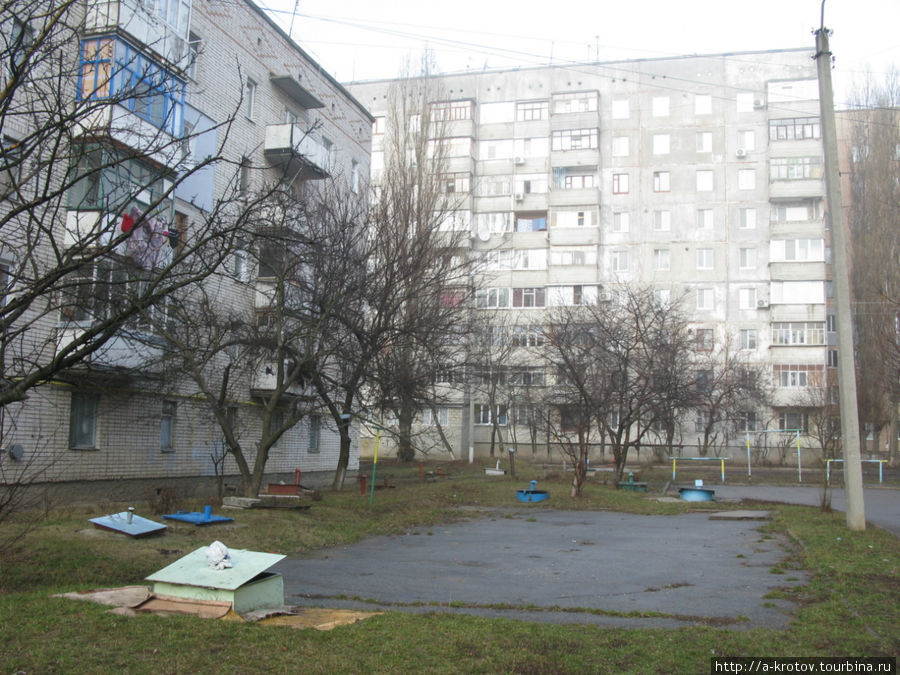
(217,556)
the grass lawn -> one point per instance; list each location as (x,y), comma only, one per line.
(849,607)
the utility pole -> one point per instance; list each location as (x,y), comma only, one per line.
(856,515)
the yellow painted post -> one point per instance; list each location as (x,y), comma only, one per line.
(674,460)
(722,461)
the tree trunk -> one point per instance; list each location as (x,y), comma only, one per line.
(343,458)
(405,450)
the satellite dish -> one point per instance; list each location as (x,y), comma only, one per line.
(17,452)
(484,234)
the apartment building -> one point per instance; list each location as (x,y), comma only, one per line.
(700,176)
(186,82)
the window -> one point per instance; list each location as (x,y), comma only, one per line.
(531,184)
(112,68)
(574,139)
(527,336)
(747,218)
(747,258)
(798,333)
(704,219)
(661,181)
(21,40)
(747,298)
(662,220)
(492,298)
(10,168)
(704,258)
(747,421)
(795,168)
(661,259)
(748,338)
(746,179)
(619,261)
(244,176)
(577,102)
(531,222)
(250,99)
(747,139)
(703,380)
(704,141)
(704,181)
(831,323)
(529,297)
(195,44)
(439,416)
(447,111)
(704,299)
(704,340)
(451,183)
(530,259)
(491,186)
(662,297)
(660,106)
(568,218)
(620,109)
(485,414)
(797,212)
(702,104)
(794,129)
(793,420)
(797,250)
(579,256)
(83,421)
(314,423)
(832,358)
(526,377)
(660,144)
(620,146)
(531,110)
(802,375)
(167,426)
(620,183)
(621,221)
(5,282)
(573,178)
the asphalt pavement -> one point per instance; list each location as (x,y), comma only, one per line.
(554,566)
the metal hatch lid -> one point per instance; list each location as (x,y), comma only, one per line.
(193,570)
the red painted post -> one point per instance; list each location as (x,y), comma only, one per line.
(362,485)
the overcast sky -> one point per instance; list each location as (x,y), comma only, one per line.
(373,39)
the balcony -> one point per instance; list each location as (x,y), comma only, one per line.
(294,150)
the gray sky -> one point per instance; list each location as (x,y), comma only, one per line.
(371,39)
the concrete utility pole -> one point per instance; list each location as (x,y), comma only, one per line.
(856,514)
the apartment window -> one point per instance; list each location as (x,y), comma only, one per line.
(747,421)
(531,110)
(486,414)
(250,99)
(704,181)
(5,282)
(621,221)
(798,250)
(747,218)
(747,298)
(660,144)
(744,102)
(574,139)
(748,338)
(194,46)
(662,220)
(620,109)
(660,106)
(244,176)
(831,358)
(450,183)
(703,379)
(747,258)
(527,336)
(529,297)
(747,139)
(704,340)
(580,256)
(619,261)
(620,146)
(704,299)
(797,212)
(11,160)
(704,258)
(794,129)
(531,222)
(576,182)
(702,104)
(576,102)
(798,333)
(167,426)
(798,375)
(746,179)
(704,141)
(793,420)
(112,67)
(492,298)
(447,111)
(21,40)
(313,425)
(704,219)
(530,259)
(831,323)
(662,297)
(573,218)
(526,377)
(620,183)
(354,177)
(661,259)
(661,181)
(531,184)
(795,168)
(83,415)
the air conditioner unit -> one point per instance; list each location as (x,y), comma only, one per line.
(740,152)
(520,160)
(762,304)
(604,296)
(520,196)
(759,103)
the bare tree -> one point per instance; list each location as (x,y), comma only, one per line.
(874,220)
(619,362)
